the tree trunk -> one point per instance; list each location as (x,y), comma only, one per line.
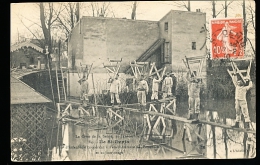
(245,24)
(77,12)
(188,5)
(225,8)
(213,9)
(71,16)
(46,33)
(133,16)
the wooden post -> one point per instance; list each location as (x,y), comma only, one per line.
(58,107)
(214,141)
(94,91)
(225,137)
(183,139)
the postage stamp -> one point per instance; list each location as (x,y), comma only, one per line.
(227,38)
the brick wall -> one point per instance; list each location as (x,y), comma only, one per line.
(186,29)
(115,39)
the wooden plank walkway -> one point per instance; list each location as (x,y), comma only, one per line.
(177,118)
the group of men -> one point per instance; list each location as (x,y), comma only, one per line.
(169,89)
(168,85)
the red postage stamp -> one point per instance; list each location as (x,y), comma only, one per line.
(227,38)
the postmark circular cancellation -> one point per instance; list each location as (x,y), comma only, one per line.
(227,38)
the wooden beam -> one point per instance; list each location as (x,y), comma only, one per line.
(177,118)
(226,126)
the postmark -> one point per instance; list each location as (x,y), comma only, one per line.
(226,38)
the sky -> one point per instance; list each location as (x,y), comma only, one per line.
(146,10)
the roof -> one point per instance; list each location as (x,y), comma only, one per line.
(26,44)
(21,93)
(148,53)
(180,11)
(19,73)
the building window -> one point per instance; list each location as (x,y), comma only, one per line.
(166,53)
(166,26)
(193,46)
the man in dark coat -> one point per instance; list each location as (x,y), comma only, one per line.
(174,81)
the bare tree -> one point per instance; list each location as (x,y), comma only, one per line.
(69,16)
(183,4)
(245,23)
(47,18)
(224,7)
(100,9)
(251,21)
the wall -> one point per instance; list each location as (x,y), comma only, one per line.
(166,34)
(186,27)
(115,39)
(75,44)
(156,58)
(100,81)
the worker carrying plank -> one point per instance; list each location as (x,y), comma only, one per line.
(155,88)
(114,90)
(142,91)
(194,86)
(240,99)
(84,89)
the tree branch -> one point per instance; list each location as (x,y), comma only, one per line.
(30,31)
(251,45)
(65,27)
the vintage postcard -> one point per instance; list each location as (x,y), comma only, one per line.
(132,80)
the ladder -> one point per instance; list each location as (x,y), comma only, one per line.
(194,60)
(157,71)
(113,68)
(60,85)
(139,68)
(243,73)
(85,69)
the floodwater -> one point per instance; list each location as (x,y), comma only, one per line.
(129,142)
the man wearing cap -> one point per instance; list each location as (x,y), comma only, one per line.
(114,90)
(142,91)
(240,99)
(167,85)
(194,85)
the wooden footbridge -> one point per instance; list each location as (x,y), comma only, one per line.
(154,127)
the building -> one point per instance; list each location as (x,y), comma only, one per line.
(27,55)
(28,122)
(165,42)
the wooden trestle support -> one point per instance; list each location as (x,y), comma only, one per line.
(155,129)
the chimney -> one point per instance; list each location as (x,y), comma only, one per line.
(101,13)
(197,10)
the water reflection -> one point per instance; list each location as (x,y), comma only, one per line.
(129,142)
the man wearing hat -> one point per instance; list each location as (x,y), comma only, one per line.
(142,91)
(240,99)
(194,85)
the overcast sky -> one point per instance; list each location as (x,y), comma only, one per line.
(146,10)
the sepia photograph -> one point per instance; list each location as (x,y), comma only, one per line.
(132,80)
